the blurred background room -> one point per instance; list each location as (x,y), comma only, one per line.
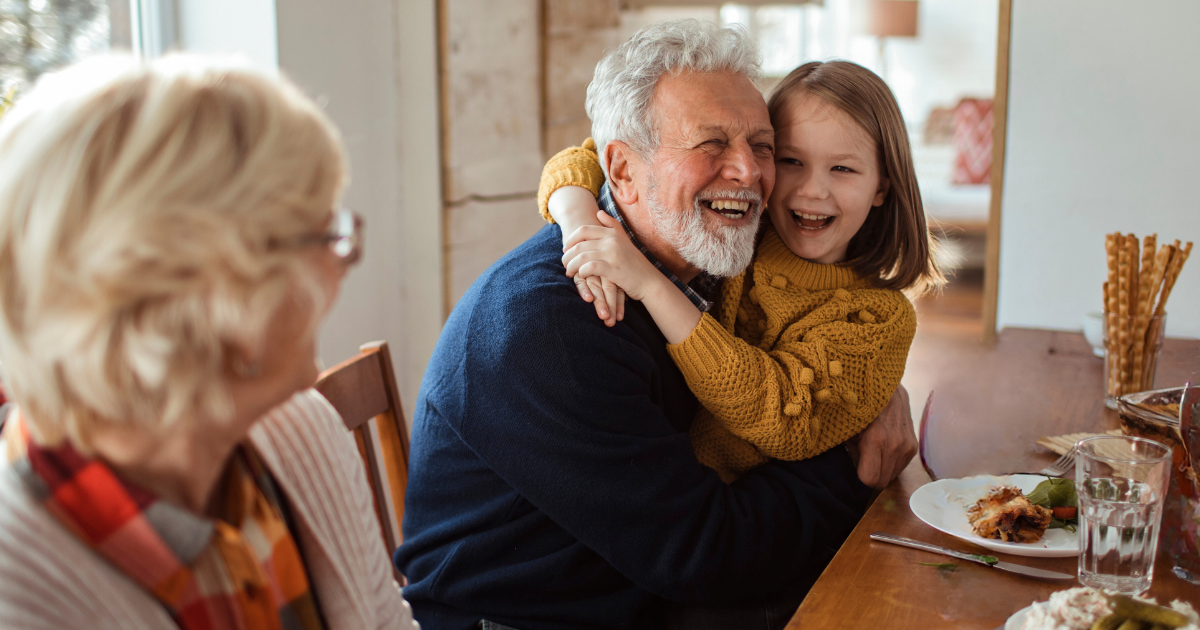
(1037,128)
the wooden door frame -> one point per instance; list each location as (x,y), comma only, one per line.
(991,265)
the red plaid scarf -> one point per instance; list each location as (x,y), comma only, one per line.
(239,571)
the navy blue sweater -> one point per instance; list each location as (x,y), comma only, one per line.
(552,484)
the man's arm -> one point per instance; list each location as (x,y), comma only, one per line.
(563,410)
(886,446)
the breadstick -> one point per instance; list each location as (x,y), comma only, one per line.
(1177,261)
(1110,313)
(1123,276)
(1142,313)
(1131,242)
(1162,261)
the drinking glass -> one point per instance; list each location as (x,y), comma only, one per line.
(1121,483)
(1126,370)
(1181,520)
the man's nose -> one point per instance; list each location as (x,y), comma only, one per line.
(741,166)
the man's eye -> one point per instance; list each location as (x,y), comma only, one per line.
(764,149)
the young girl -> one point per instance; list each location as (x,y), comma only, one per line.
(807,345)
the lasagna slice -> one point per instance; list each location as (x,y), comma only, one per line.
(1006,514)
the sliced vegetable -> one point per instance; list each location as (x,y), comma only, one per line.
(1064,512)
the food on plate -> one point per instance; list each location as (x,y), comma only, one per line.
(1089,609)
(1008,515)
(1058,495)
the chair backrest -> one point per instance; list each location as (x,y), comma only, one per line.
(363,390)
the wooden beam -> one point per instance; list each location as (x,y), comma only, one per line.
(991,267)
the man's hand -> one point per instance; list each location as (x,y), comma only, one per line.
(886,446)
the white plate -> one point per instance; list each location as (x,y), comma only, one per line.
(943,505)
(1017,619)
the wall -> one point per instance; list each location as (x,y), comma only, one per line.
(1102,136)
(493,132)
(370,64)
(373,66)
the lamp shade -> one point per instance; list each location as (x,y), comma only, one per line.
(891,18)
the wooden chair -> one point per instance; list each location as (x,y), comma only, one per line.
(363,390)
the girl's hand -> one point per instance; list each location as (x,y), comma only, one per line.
(605,295)
(607,252)
(572,207)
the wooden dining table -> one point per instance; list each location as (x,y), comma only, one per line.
(988,409)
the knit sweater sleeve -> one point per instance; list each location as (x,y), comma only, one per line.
(573,166)
(826,376)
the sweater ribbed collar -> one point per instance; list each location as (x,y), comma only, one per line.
(774,255)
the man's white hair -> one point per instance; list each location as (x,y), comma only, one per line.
(621,93)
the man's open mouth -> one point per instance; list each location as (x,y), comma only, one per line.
(729,209)
(812,221)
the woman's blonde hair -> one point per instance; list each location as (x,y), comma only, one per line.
(141,210)
(894,247)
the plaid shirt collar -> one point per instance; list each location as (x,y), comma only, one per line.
(699,290)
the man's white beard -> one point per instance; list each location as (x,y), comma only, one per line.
(722,251)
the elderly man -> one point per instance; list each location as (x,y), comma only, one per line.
(552,481)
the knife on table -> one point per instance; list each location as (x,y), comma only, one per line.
(969,557)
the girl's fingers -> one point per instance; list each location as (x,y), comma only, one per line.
(610,291)
(585,233)
(574,265)
(607,220)
(582,287)
(579,248)
(601,304)
(620,305)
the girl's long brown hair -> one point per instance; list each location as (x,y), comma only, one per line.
(894,247)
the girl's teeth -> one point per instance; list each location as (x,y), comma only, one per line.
(812,221)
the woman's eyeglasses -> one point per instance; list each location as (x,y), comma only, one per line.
(344,237)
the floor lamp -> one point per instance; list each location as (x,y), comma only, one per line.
(890,18)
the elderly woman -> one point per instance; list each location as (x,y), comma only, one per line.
(169,242)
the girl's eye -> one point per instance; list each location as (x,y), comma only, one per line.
(789,161)
(843,169)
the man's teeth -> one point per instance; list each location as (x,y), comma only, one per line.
(732,209)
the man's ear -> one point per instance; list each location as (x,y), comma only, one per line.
(622,163)
(885,185)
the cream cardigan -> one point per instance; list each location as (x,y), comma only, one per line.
(49,580)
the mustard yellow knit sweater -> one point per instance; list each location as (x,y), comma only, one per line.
(798,358)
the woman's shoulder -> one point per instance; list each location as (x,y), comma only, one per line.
(49,579)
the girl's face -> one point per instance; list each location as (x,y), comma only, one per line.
(827,179)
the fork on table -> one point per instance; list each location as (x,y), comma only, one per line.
(1060,466)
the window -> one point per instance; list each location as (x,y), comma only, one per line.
(40,35)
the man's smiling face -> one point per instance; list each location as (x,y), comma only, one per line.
(702,190)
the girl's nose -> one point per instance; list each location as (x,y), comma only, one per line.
(813,184)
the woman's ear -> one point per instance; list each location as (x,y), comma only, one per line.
(622,162)
(885,185)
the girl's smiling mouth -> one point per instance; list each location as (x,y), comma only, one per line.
(807,221)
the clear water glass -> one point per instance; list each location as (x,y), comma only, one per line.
(1122,483)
